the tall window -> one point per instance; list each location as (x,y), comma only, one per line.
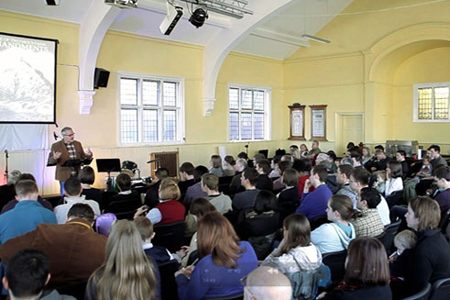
(431,102)
(249,113)
(151,109)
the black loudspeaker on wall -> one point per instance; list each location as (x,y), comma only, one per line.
(101,77)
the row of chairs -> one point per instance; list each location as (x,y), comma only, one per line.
(440,290)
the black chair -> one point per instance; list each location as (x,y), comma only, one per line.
(445,220)
(389,234)
(318,221)
(395,198)
(193,258)
(336,262)
(239,296)
(170,236)
(440,290)
(124,209)
(169,289)
(75,289)
(422,295)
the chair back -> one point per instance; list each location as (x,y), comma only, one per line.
(422,295)
(389,234)
(74,289)
(318,221)
(445,220)
(440,290)
(239,296)
(168,284)
(336,262)
(394,198)
(170,236)
(104,222)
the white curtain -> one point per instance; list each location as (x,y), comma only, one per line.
(18,137)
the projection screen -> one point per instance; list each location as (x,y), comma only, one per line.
(27,79)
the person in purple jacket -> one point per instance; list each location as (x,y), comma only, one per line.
(314,204)
(224,261)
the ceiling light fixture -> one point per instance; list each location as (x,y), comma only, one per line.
(231,8)
(198,17)
(122,3)
(315,38)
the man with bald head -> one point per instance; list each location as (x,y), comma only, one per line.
(268,284)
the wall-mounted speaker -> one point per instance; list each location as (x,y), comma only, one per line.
(52,2)
(101,77)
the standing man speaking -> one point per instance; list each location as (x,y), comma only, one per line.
(64,150)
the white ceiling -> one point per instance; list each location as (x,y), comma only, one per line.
(277,38)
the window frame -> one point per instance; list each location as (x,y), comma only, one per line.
(181,111)
(434,85)
(267,111)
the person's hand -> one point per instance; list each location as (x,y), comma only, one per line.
(185,271)
(373,169)
(307,186)
(56,155)
(140,211)
(283,241)
(183,251)
(89,152)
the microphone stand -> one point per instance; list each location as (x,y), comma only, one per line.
(6,168)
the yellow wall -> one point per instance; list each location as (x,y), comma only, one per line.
(370,65)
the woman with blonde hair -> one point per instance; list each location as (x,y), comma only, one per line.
(127,273)
(224,260)
(168,210)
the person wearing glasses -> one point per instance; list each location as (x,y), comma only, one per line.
(62,151)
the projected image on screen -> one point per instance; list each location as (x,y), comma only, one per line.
(27,79)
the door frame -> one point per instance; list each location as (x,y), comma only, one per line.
(338,119)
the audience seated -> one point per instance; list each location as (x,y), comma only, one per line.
(229,164)
(224,260)
(288,200)
(72,190)
(195,191)
(323,159)
(430,258)
(265,283)
(126,200)
(7,191)
(11,204)
(210,185)
(168,210)
(26,215)
(186,178)
(380,183)
(443,182)
(298,258)
(74,249)
(275,172)
(303,167)
(365,255)
(199,208)
(27,275)
(303,150)
(343,178)
(404,241)
(259,225)
(365,156)
(118,278)
(87,178)
(152,197)
(400,155)
(381,162)
(216,165)
(278,184)
(264,182)
(159,254)
(436,158)
(335,236)
(360,179)
(314,149)
(368,221)
(314,204)
(357,160)
(246,199)
(235,184)
(394,178)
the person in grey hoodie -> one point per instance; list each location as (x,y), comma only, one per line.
(336,236)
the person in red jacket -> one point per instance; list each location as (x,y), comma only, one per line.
(168,210)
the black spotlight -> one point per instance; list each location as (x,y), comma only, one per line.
(198,17)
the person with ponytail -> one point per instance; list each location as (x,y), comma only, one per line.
(335,236)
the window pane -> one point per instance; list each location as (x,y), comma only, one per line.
(150,125)
(150,92)
(247,99)
(128,91)
(128,125)
(170,94)
(233,95)
(259,100)
(425,104)
(441,103)
(170,125)
(246,126)
(234,126)
(258,123)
